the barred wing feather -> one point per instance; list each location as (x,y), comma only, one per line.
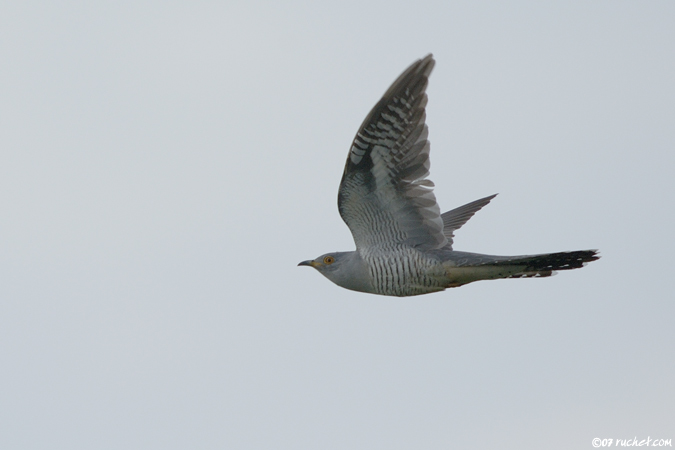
(384,197)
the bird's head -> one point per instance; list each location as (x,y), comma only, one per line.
(345,269)
(328,263)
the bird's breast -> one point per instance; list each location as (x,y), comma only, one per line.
(401,271)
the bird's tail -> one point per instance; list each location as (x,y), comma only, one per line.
(547,264)
(465,268)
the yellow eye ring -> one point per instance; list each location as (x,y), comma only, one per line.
(328,260)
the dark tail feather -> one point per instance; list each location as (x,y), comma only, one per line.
(546,265)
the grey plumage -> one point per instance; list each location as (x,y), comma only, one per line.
(454,219)
(403,242)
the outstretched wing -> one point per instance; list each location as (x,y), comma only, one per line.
(384,197)
(454,219)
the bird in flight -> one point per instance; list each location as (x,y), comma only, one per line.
(403,242)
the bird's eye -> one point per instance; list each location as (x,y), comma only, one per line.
(328,260)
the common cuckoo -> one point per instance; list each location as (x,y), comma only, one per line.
(403,242)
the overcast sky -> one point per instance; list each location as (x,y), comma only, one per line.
(165,165)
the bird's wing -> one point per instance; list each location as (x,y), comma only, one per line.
(384,196)
(454,219)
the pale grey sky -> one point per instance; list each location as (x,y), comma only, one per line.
(165,165)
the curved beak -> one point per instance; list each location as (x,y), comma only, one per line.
(309,263)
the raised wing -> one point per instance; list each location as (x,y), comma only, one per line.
(384,197)
(454,219)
